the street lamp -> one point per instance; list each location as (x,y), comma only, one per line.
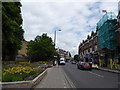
(55,36)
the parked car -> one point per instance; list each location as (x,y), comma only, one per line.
(73,62)
(62,61)
(84,65)
(94,66)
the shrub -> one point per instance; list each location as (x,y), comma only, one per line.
(16,73)
(7,77)
(21,71)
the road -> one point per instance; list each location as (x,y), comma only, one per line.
(90,79)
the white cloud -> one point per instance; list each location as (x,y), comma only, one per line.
(67,0)
(73,18)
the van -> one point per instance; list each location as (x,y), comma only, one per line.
(62,61)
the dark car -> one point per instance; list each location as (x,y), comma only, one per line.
(84,65)
(73,62)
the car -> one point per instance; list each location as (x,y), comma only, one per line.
(62,61)
(84,66)
(73,62)
(94,66)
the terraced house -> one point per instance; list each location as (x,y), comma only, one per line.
(88,47)
(103,46)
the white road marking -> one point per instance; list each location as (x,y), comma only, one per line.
(96,74)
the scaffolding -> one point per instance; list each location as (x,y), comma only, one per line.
(106,39)
(106,31)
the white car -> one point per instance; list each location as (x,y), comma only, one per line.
(94,66)
(62,61)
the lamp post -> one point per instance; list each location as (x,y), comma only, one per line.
(55,36)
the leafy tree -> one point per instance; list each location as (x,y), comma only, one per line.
(12,32)
(41,49)
(69,54)
(76,57)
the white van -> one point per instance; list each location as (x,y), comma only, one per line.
(62,61)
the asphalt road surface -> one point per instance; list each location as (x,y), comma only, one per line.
(90,79)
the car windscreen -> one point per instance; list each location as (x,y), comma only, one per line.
(86,64)
(61,60)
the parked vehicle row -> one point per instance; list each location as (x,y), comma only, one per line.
(80,65)
(85,65)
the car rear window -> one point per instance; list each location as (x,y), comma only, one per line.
(86,63)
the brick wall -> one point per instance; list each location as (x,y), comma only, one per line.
(23,50)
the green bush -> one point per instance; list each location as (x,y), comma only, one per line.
(7,77)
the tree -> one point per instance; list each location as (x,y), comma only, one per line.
(12,32)
(41,49)
(69,54)
(76,57)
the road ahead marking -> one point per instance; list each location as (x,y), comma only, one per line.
(96,74)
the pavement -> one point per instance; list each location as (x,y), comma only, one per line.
(109,70)
(55,78)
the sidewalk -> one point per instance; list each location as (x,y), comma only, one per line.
(109,70)
(55,78)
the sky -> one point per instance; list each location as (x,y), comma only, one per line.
(75,18)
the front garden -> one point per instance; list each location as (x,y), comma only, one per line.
(23,71)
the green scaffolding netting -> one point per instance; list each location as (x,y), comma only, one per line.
(106,31)
(107,16)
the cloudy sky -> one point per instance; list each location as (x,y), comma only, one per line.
(75,18)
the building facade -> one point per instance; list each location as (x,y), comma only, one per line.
(88,47)
(106,31)
(23,50)
(117,31)
(63,53)
(106,38)
(104,45)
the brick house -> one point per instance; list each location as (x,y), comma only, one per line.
(88,47)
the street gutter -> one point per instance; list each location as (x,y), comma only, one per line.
(71,85)
(108,70)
